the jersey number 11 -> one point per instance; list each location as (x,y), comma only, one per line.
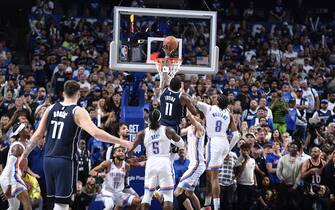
(168,109)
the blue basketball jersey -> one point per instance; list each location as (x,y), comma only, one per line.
(171,108)
(62,132)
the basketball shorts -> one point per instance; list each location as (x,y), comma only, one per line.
(190,178)
(158,173)
(120,199)
(17,183)
(60,178)
(217,149)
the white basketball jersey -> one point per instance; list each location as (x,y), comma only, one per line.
(217,122)
(114,180)
(157,143)
(195,147)
(14,170)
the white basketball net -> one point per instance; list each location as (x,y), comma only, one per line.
(171,67)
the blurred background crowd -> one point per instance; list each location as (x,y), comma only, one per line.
(280,85)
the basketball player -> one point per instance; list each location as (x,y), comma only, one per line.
(158,170)
(62,122)
(172,103)
(195,148)
(218,120)
(114,179)
(11,182)
(122,133)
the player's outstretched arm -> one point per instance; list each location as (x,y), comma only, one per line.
(37,136)
(203,107)
(171,134)
(100,168)
(83,120)
(199,128)
(138,139)
(164,81)
(186,101)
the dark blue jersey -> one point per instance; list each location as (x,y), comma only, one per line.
(62,132)
(324,115)
(171,108)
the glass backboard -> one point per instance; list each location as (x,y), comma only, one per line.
(139,33)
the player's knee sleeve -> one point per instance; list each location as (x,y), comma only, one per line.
(181,198)
(147,197)
(168,195)
(61,206)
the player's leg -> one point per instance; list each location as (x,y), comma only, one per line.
(48,168)
(150,184)
(65,179)
(109,203)
(13,204)
(24,199)
(146,200)
(168,199)
(130,191)
(181,197)
(218,148)
(166,183)
(194,199)
(134,202)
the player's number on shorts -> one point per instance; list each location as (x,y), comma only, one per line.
(168,109)
(57,129)
(155,147)
(218,126)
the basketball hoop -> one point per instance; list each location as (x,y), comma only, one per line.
(169,65)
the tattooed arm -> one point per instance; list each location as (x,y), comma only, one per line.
(37,136)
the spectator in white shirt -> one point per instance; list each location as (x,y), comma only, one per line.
(288,172)
(246,179)
(289,53)
(83,82)
(311,96)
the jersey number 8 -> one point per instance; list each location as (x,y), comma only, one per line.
(218,126)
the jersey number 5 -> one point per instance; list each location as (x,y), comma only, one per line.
(57,129)
(155,147)
(168,109)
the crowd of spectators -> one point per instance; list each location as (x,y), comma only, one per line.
(280,86)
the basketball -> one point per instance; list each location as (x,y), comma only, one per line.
(170,43)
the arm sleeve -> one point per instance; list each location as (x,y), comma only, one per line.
(203,107)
